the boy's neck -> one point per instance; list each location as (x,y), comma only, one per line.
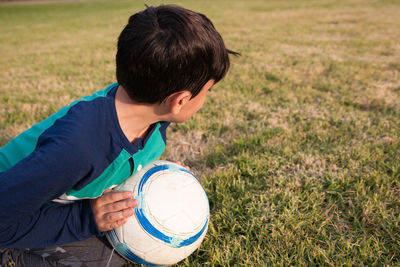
(134,118)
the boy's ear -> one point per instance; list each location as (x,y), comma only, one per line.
(177,100)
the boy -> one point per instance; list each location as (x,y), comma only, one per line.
(56,177)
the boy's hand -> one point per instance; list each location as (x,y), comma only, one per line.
(180,163)
(112,209)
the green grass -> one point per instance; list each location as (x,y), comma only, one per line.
(298,148)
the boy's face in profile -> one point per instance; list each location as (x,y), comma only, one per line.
(194,104)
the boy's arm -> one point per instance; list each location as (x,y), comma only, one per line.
(52,224)
(48,172)
(28,220)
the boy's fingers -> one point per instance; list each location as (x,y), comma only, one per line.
(180,163)
(120,205)
(106,225)
(106,191)
(114,217)
(114,197)
(116,224)
(110,226)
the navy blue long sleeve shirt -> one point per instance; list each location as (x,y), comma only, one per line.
(49,173)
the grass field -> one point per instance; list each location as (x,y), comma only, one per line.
(298,148)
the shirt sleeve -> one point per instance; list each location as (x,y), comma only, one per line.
(54,167)
(52,224)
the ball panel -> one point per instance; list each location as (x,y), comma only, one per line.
(119,233)
(137,239)
(192,247)
(163,199)
(129,184)
(128,254)
(180,225)
(166,255)
(195,204)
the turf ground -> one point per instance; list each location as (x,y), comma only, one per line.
(298,148)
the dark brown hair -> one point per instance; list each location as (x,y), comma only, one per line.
(168,49)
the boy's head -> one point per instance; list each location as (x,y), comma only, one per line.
(168,49)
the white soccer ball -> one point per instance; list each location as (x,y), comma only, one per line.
(171,219)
